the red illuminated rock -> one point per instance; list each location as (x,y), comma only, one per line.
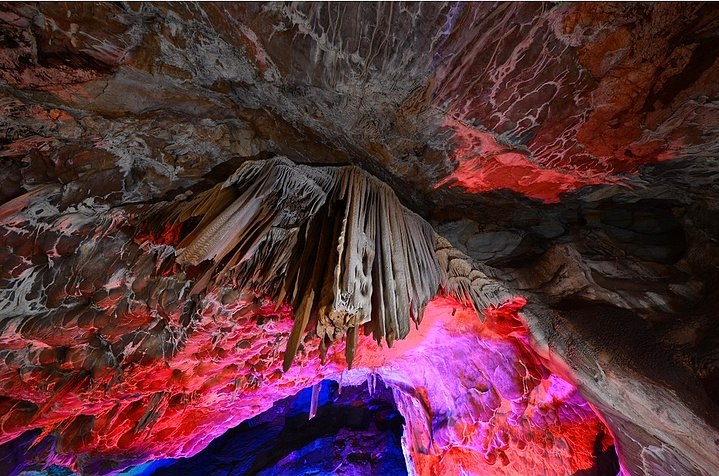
(105,351)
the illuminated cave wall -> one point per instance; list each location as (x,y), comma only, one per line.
(568,152)
(474,398)
(138,375)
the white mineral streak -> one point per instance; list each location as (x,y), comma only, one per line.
(315,398)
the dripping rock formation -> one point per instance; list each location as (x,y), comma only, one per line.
(502,219)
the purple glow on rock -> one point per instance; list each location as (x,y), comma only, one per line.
(478,400)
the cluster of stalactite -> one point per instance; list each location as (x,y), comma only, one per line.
(333,242)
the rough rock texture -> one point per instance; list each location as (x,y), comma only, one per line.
(119,361)
(570,150)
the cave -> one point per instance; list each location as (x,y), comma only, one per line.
(359,238)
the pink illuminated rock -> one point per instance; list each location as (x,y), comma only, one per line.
(119,368)
(477,399)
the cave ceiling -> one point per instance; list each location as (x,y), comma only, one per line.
(509,212)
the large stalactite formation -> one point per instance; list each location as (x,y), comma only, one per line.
(334,241)
(507,213)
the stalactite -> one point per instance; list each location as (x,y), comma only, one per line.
(314,400)
(334,243)
(465,279)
